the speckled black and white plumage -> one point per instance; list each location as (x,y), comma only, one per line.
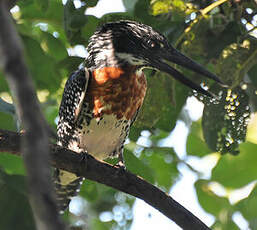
(67,184)
(80,131)
(71,105)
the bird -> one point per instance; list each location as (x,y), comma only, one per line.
(101,100)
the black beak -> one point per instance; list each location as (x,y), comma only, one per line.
(174,56)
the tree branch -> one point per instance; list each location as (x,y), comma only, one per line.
(35,142)
(114,177)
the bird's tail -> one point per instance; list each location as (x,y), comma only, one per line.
(67,185)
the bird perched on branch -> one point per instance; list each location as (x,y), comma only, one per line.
(101,101)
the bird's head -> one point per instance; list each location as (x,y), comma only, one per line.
(132,43)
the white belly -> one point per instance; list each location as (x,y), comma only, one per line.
(102,137)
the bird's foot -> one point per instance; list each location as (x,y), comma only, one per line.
(120,168)
(84,156)
(84,159)
(120,164)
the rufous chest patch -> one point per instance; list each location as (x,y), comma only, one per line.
(118,91)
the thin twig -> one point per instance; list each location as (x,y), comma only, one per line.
(212,6)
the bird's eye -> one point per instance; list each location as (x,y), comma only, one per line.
(152,44)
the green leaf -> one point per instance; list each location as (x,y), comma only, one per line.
(252,88)
(99,225)
(162,164)
(89,28)
(236,60)
(111,17)
(74,20)
(32,13)
(7,121)
(53,46)
(237,171)
(43,5)
(70,63)
(161,7)
(12,164)
(209,201)
(91,3)
(225,33)
(162,104)
(248,207)
(196,45)
(106,198)
(50,110)
(137,166)
(14,205)
(141,12)
(130,5)
(135,131)
(3,83)
(172,103)
(89,190)
(226,224)
(195,145)
(252,74)
(157,136)
(42,66)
